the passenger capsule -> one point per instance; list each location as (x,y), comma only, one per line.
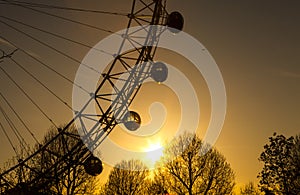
(132,120)
(93,166)
(175,21)
(159,72)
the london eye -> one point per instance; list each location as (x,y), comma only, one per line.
(27,76)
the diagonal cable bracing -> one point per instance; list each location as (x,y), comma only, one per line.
(15,130)
(39,5)
(63,18)
(45,65)
(49,46)
(26,94)
(18,116)
(41,83)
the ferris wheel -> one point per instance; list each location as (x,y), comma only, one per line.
(116,88)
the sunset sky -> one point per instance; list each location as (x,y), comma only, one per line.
(255,44)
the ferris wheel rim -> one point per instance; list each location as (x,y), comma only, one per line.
(62,131)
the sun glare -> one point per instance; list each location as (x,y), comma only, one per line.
(153,146)
(153,151)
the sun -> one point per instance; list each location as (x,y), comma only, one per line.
(153,146)
(153,152)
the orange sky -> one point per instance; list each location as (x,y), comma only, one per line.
(255,44)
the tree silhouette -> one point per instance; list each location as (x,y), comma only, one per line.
(280,174)
(249,189)
(296,164)
(72,181)
(156,185)
(20,176)
(127,178)
(190,167)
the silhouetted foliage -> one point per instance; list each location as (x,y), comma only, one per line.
(127,178)
(190,167)
(296,164)
(281,171)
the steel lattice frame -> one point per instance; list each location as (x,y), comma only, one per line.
(136,63)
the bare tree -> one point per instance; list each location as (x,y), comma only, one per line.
(67,177)
(72,181)
(156,185)
(190,167)
(127,178)
(249,189)
(21,175)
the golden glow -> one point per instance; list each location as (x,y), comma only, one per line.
(153,145)
(153,151)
